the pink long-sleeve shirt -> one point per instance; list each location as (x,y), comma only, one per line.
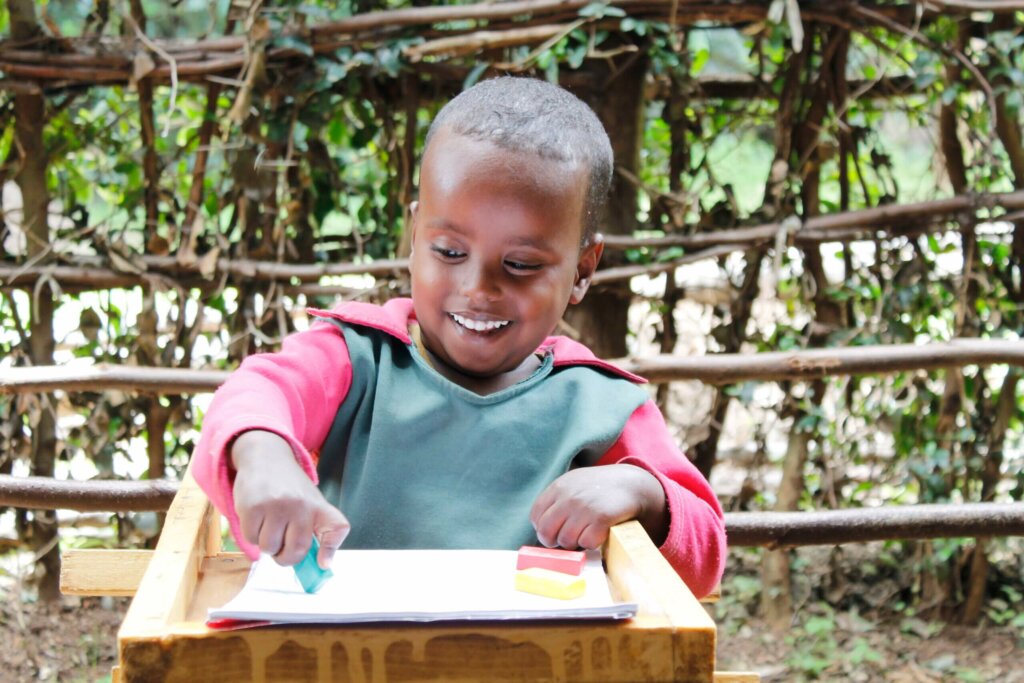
(298,392)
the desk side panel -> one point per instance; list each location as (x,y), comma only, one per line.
(490,653)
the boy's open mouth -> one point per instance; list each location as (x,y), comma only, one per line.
(482,326)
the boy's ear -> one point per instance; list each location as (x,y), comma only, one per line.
(589,259)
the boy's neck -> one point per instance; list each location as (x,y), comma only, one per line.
(483,386)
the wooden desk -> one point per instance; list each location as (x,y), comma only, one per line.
(164,637)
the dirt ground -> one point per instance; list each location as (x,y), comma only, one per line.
(74,641)
(885,652)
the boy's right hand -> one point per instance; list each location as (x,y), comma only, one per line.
(279,507)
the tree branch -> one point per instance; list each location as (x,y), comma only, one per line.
(817,363)
(835,226)
(45,493)
(725,368)
(770,529)
(194,60)
(88,272)
(830,527)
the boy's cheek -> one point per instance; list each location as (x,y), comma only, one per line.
(425,278)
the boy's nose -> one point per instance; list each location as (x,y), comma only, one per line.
(479,284)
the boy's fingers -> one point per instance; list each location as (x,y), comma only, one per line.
(549,526)
(593,536)
(331,529)
(271,535)
(251,524)
(325,557)
(297,539)
(569,534)
(548,499)
(540,506)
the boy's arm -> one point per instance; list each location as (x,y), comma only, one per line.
(695,544)
(294,393)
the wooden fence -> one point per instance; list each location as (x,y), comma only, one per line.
(768,529)
(38,66)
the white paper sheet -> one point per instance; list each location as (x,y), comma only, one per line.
(414,585)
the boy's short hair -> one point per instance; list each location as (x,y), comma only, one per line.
(530,115)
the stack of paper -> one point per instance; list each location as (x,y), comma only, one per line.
(414,585)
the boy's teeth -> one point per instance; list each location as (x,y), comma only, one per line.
(479,325)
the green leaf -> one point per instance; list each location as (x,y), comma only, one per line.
(333,71)
(389,59)
(576,56)
(819,625)
(699,60)
(551,72)
(474,75)
(925,80)
(5,141)
(600,10)
(294,43)
(807,423)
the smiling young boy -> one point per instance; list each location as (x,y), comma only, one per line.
(453,420)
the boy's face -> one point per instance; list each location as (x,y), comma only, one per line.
(496,253)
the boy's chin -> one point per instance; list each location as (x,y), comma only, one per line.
(476,371)
(483,370)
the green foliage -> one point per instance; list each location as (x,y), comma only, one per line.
(319,175)
(814,649)
(853,619)
(1005,610)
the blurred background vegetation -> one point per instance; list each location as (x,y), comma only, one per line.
(157,155)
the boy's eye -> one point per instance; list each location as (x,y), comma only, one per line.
(447,253)
(519,265)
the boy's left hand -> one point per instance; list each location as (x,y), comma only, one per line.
(577,509)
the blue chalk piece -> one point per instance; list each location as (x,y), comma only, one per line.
(309,573)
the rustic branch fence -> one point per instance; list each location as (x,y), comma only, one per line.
(437,46)
(768,529)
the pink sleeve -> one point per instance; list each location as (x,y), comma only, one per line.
(695,545)
(294,393)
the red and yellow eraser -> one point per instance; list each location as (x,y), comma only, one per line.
(555,559)
(550,584)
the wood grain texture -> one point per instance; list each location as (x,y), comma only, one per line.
(736,677)
(393,654)
(714,596)
(167,586)
(111,571)
(637,567)
(164,636)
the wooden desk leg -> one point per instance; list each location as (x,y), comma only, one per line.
(191,528)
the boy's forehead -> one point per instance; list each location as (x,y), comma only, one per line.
(458,172)
(452,158)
